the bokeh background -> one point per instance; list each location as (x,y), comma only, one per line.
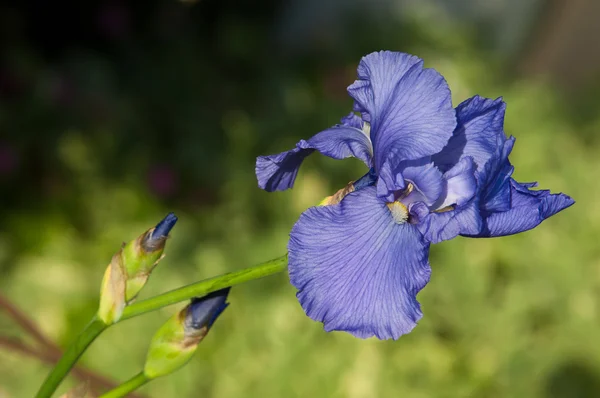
(114,113)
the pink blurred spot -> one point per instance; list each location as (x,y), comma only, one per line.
(162,181)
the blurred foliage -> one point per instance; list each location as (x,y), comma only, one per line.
(110,119)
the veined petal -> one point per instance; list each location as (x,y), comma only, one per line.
(479,134)
(459,184)
(438,227)
(352,120)
(496,190)
(278,172)
(427,181)
(378,75)
(356,269)
(458,207)
(528,209)
(389,181)
(409,108)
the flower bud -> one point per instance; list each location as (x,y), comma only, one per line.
(176,341)
(130,268)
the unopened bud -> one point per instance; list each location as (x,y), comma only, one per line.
(130,268)
(176,341)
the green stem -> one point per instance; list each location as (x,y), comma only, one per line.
(66,362)
(206,286)
(130,385)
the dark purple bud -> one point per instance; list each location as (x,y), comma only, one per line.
(155,238)
(204,311)
(163,228)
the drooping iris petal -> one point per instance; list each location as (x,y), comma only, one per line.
(479,134)
(409,108)
(528,209)
(278,172)
(356,269)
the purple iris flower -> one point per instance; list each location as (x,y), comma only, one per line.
(359,260)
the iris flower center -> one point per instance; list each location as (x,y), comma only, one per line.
(399,211)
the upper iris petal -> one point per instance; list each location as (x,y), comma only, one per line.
(356,269)
(409,108)
(478,134)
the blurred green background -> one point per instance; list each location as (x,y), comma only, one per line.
(113,114)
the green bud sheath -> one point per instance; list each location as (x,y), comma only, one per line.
(170,348)
(112,293)
(176,341)
(139,259)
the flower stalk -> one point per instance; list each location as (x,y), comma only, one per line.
(206,286)
(70,357)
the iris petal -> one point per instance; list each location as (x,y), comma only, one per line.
(278,172)
(479,133)
(463,217)
(409,108)
(528,210)
(438,227)
(356,269)
(352,120)
(496,190)
(426,178)
(460,184)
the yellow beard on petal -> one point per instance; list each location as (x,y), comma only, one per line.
(399,212)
